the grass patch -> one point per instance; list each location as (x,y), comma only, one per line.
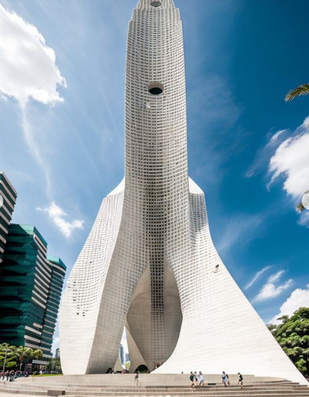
(38,375)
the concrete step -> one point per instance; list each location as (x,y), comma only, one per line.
(197,392)
(141,390)
(205,393)
(145,379)
(99,386)
(148,388)
(218,394)
(241,394)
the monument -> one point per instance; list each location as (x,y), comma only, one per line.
(149,263)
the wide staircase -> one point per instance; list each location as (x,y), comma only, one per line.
(151,385)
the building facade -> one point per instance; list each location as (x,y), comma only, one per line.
(121,353)
(8,197)
(149,262)
(30,290)
(57,353)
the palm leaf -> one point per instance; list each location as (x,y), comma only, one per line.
(300,207)
(298,91)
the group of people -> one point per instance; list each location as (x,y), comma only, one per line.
(9,376)
(198,379)
(226,379)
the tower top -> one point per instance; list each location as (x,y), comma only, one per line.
(149,4)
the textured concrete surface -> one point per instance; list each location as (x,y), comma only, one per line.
(157,385)
(149,261)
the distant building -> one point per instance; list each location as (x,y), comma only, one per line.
(57,354)
(8,197)
(121,353)
(127,357)
(30,290)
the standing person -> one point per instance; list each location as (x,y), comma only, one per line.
(201,379)
(192,378)
(228,379)
(224,379)
(136,381)
(195,378)
(240,380)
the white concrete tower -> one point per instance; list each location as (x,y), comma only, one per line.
(149,262)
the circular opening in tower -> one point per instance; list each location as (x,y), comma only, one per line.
(155,88)
(156,3)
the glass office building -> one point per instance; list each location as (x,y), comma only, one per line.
(8,197)
(30,290)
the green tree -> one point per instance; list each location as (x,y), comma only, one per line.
(54,365)
(301,90)
(8,358)
(23,353)
(293,336)
(12,355)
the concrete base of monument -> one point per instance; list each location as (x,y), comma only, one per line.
(150,385)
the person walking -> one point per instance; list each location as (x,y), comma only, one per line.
(228,379)
(224,379)
(192,379)
(201,379)
(195,378)
(136,381)
(240,380)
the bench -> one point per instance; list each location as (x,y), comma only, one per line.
(55,392)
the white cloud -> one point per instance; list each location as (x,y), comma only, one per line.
(28,70)
(57,215)
(265,153)
(257,276)
(240,228)
(291,162)
(276,277)
(27,65)
(274,139)
(35,150)
(288,152)
(299,298)
(270,290)
(304,219)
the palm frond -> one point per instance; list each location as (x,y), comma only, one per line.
(302,89)
(300,207)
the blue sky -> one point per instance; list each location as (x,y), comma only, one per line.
(62,127)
